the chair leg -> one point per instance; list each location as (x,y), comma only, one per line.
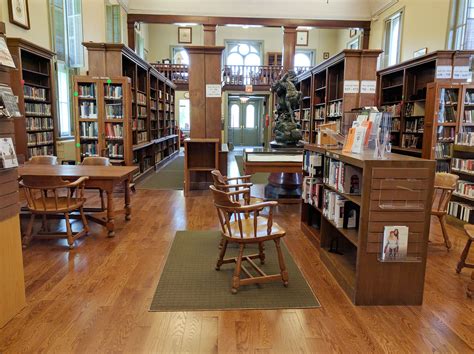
(281,262)
(70,237)
(102,202)
(442,221)
(29,232)
(84,220)
(261,253)
(45,224)
(238,268)
(462,259)
(220,261)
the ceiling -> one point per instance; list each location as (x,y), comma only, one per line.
(293,9)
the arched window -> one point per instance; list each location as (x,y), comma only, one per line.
(245,53)
(302,59)
(234,116)
(250,116)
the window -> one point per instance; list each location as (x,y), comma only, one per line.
(461,25)
(354,44)
(184,117)
(114,24)
(65,126)
(392,39)
(243,53)
(74,33)
(304,58)
(234,116)
(180,56)
(250,117)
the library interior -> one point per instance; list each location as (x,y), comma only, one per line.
(330,142)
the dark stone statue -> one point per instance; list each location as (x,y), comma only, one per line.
(287,130)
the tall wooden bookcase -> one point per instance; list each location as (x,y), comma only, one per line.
(394,192)
(103,118)
(34,84)
(155,134)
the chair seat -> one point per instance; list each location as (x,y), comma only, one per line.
(469,230)
(253,200)
(248,233)
(59,205)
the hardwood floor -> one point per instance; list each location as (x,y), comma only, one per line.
(95,298)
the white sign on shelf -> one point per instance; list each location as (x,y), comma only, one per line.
(444,71)
(213,90)
(351,86)
(461,73)
(367,86)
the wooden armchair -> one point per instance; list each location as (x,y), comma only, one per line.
(97,161)
(43,160)
(48,196)
(229,184)
(444,186)
(250,229)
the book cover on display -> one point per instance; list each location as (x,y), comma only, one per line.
(7,153)
(395,242)
(5,56)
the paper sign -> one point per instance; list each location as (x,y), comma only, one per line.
(213,90)
(351,86)
(367,86)
(443,71)
(248,88)
(461,73)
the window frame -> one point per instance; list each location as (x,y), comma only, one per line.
(312,56)
(173,50)
(228,43)
(113,29)
(399,13)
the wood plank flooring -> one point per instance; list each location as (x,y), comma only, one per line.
(96,297)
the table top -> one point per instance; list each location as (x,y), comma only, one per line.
(93,172)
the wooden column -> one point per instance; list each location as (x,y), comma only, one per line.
(365,38)
(204,69)
(131,34)
(209,34)
(289,47)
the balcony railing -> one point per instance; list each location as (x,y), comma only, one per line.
(232,75)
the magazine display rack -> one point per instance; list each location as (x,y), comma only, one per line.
(349,202)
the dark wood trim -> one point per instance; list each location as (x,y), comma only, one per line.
(209,34)
(131,35)
(268,22)
(200,49)
(10,15)
(365,38)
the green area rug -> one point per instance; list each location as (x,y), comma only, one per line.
(257,178)
(189,281)
(171,176)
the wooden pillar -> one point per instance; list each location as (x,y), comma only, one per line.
(204,70)
(209,34)
(365,38)
(289,47)
(131,35)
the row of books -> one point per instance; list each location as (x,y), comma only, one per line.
(335,109)
(468,116)
(39,138)
(40,150)
(343,177)
(319,113)
(142,137)
(115,150)
(37,123)
(113,91)
(415,109)
(463,165)
(38,109)
(443,151)
(312,163)
(395,109)
(89,149)
(469,97)
(139,124)
(306,114)
(466,138)
(141,98)
(465,188)
(414,125)
(142,113)
(410,141)
(447,114)
(342,212)
(461,211)
(443,166)
(88,109)
(312,189)
(89,129)
(449,96)
(153,104)
(114,111)
(446,134)
(34,93)
(113,130)
(86,90)
(396,124)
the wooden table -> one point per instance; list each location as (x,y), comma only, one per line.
(101,177)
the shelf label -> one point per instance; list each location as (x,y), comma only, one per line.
(367,86)
(213,90)
(444,71)
(461,73)
(351,86)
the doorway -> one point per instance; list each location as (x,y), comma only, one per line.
(246,115)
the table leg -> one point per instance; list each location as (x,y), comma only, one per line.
(128,208)
(110,214)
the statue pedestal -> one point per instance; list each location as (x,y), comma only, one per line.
(284,187)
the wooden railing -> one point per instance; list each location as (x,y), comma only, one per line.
(178,73)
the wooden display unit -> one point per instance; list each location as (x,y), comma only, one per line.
(274,59)
(34,84)
(394,192)
(402,90)
(155,134)
(201,156)
(303,113)
(336,88)
(103,115)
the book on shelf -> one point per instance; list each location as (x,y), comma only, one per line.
(414,125)
(465,188)
(395,125)
(88,109)
(113,92)
(39,123)
(8,102)
(335,109)
(115,150)
(334,206)
(312,163)
(343,177)
(395,109)
(443,166)
(447,114)
(40,150)
(465,138)
(443,150)
(410,141)
(86,91)
(113,130)
(449,96)
(351,215)
(141,98)
(311,192)
(446,134)
(468,116)
(415,109)
(89,149)
(8,157)
(39,138)
(38,109)
(34,93)
(461,211)
(465,165)
(89,130)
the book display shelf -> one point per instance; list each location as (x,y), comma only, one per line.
(34,85)
(303,113)
(154,135)
(349,201)
(103,118)
(341,83)
(402,90)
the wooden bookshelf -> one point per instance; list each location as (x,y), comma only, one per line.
(34,84)
(274,58)
(402,90)
(337,86)
(155,134)
(303,113)
(352,255)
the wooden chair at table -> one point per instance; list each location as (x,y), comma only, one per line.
(52,196)
(43,160)
(444,186)
(97,161)
(253,229)
(228,184)
(469,229)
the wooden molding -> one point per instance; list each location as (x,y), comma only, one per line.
(193,49)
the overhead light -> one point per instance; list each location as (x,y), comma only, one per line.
(244,99)
(243,26)
(185,24)
(304,28)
